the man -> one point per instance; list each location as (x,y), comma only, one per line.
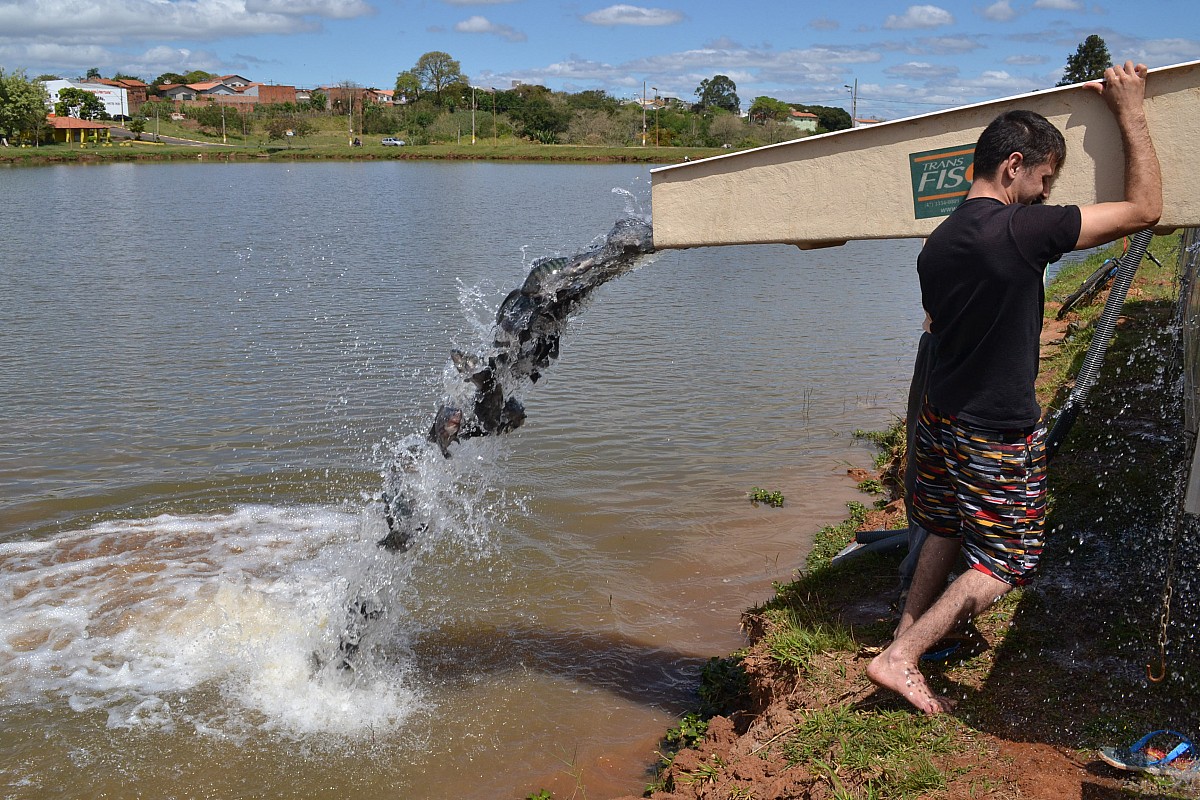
(980,457)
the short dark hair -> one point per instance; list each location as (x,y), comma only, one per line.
(1018,131)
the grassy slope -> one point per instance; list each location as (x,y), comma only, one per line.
(1059,670)
(331,141)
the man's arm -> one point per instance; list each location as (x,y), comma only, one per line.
(1124,90)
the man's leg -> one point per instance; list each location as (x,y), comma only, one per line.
(938,556)
(896,667)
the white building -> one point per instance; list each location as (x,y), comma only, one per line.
(115,99)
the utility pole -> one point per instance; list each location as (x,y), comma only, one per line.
(643,113)
(472,113)
(223,123)
(656,105)
(853,103)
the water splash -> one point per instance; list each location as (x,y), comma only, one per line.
(423,496)
(204,623)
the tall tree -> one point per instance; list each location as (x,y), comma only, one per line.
(727,129)
(829,118)
(79,103)
(170,77)
(719,91)
(93,73)
(764,108)
(408,87)
(436,71)
(22,104)
(1088,63)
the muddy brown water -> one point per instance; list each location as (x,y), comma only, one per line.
(203,376)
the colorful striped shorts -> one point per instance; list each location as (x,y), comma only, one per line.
(987,487)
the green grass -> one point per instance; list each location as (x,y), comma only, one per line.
(331,140)
(796,642)
(888,752)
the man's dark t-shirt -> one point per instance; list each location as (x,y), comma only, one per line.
(981,282)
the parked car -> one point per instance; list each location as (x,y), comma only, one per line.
(391,142)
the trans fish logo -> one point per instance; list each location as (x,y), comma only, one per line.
(941,179)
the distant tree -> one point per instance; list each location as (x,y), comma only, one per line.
(84,104)
(727,129)
(718,91)
(317,101)
(22,104)
(594,99)
(169,77)
(93,73)
(199,76)
(768,108)
(829,118)
(137,126)
(596,126)
(1088,63)
(456,95)
(408,87)
(121,76)
(207,116)
(436,71)
(47,77)
(540,117)
(278,127)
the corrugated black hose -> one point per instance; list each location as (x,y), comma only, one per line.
(1101,337)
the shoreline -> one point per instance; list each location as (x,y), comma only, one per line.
(206,151)
(793,714)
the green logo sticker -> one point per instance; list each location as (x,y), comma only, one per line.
(940,179)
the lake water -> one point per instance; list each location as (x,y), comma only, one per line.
(206,368)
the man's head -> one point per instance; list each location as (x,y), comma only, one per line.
(1040,144)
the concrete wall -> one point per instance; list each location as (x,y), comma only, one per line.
(861,183)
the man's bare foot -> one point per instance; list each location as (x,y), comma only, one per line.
(905,679)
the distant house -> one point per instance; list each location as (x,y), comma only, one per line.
(384,97)
(804,120)
(236,81)
(269,93)
(204,92)
(136,91)
(866,123)
(176,91)
(212,89)
(69,129)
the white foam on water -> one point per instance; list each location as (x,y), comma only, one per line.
(212,622)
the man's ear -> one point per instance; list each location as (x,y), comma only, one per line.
(1013,164)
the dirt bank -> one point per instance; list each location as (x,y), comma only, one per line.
(1046,677)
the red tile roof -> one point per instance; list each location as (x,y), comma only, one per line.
(71,123)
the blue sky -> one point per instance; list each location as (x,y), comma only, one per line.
(908,58)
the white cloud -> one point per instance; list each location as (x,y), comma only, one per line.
(944,45)
(1158,52)
(633,15)
(919,17)
(921,70)
(123,21)
(478,24)
(329,9)
(1000,11)
(1026,60)
(475,2)
(1059,5)
(824,24)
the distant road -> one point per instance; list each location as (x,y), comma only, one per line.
(121,133)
